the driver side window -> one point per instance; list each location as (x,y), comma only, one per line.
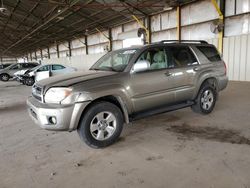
(156,57)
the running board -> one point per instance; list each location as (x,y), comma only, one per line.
(160,110)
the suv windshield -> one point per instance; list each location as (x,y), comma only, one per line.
(114,61)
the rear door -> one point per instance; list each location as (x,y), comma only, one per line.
(183,70)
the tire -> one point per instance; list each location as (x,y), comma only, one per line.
(4,77)
(29,81)
(205,100)
(101,125)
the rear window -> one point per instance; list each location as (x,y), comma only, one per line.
(210,52)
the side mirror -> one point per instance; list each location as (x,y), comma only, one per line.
(140,66)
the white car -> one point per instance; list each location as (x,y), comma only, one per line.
(45,71)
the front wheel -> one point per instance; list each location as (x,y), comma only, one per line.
(29,81)
(101,125)
(205,100)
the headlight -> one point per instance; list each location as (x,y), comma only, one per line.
(59,95)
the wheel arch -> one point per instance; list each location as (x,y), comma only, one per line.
(116,100)
(210,80)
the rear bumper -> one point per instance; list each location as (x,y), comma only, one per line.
(67,117)
(222,82)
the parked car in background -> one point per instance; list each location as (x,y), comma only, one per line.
(44,71)
(128,84)
(8,72)
(3,66)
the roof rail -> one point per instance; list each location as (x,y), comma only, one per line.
(184,41)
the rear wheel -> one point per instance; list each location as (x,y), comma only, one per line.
(4,77)
(205,100)
(101,125)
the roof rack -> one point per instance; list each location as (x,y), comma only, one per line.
(184,41)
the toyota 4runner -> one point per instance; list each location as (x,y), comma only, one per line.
(128,84)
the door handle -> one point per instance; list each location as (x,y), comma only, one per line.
(168,73)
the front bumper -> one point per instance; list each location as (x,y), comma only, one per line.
(67,117)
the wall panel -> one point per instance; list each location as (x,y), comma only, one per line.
(236,54)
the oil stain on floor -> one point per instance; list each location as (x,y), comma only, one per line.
(210,133)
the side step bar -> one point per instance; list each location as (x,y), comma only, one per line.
(160,110)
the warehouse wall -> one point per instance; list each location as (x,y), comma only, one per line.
(195,22)
(81,62)
(5,60)
(236,53)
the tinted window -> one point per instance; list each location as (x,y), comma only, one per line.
(57,67)
(210,52)
(15,67)
(181,56)
(44,68)
(31,65)
(156,57)
(25,65)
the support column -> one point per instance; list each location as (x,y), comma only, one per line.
(110,40)
(149,29)
(57,50)
(48,53)
(41,52)
(86,44)
(178,15)
(221,17)
(69,46)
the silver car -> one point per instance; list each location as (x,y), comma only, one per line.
(8,72)
(41,72)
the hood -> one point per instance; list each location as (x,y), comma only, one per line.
(21,72)
(74,78)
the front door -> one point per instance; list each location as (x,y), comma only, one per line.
(152,88)
(57,70)
(42,73)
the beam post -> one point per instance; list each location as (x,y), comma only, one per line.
(41,52)
(69,46)
(57,50)
(86,44)
(149,29)
(110,40)
(48,52)
(221,17)
(178,15)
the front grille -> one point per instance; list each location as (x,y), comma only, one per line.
(37,92)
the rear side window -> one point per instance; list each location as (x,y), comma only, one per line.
(210,52)
(43,68)
(181,56)
(57,67)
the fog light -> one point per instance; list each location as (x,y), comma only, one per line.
(52,120)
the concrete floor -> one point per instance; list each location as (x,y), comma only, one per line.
(176,149)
